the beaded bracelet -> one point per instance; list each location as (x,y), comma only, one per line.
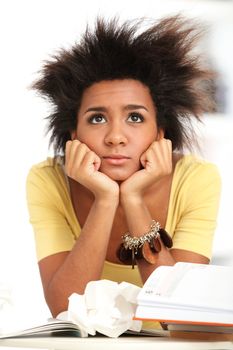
(130,242)
(146,246)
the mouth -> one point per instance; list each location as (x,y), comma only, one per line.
(116,159)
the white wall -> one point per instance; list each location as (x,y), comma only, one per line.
(30,31)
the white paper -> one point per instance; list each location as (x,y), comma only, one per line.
(105,307)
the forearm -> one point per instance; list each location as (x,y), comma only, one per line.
(85,262)
(139,221)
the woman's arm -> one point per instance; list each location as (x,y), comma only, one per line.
(157,162)
(139,221)
(65,273)
(68,272)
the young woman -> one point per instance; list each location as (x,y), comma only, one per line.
(119,189)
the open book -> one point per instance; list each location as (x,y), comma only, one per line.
(187,295)
(53,327)
(58,328)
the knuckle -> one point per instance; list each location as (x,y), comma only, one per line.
(68,143)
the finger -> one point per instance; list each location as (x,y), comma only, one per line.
(169,149)
(158,155)
(143,159)
(71,149)
(69,145)
(163,146)
(67,149)
(154,150)
(147,157)
(163,154)
(77,151)
(145,153)
(91,161)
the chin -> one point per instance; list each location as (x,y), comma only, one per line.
(118,175)
(118,179)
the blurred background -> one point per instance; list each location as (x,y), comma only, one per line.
(30,31)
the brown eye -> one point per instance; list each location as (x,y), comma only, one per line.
(135,118)
(97,119)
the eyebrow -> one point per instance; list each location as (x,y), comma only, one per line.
(127,108)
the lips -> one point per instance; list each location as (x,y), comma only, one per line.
(116,159)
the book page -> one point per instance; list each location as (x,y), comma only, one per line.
(190,285)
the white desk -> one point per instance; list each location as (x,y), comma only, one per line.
(104,343)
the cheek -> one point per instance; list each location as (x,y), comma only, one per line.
(92,141)
(82,134)
(144,143)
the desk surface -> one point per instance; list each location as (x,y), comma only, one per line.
(102,343)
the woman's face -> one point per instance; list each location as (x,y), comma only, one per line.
(117,120)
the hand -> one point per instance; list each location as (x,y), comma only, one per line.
(82,165)
(156,162)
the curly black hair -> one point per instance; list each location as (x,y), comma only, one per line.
(160,56)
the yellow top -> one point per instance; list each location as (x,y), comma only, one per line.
(191,219)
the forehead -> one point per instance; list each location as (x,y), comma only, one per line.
(121,91)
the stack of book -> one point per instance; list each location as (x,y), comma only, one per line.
(189,297)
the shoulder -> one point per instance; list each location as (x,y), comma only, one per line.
(47,177)
(195,177)
(193,167)
(47,169)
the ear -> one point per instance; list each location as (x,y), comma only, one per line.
(73,135)
(160,134)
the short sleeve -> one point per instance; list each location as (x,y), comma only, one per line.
(199,204)
(52,231)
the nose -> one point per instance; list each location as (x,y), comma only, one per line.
(116,135)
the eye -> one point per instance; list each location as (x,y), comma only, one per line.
(97,119)
(135,118)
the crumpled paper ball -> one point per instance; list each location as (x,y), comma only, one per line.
(106,307)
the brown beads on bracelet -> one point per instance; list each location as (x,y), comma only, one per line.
(145,247)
